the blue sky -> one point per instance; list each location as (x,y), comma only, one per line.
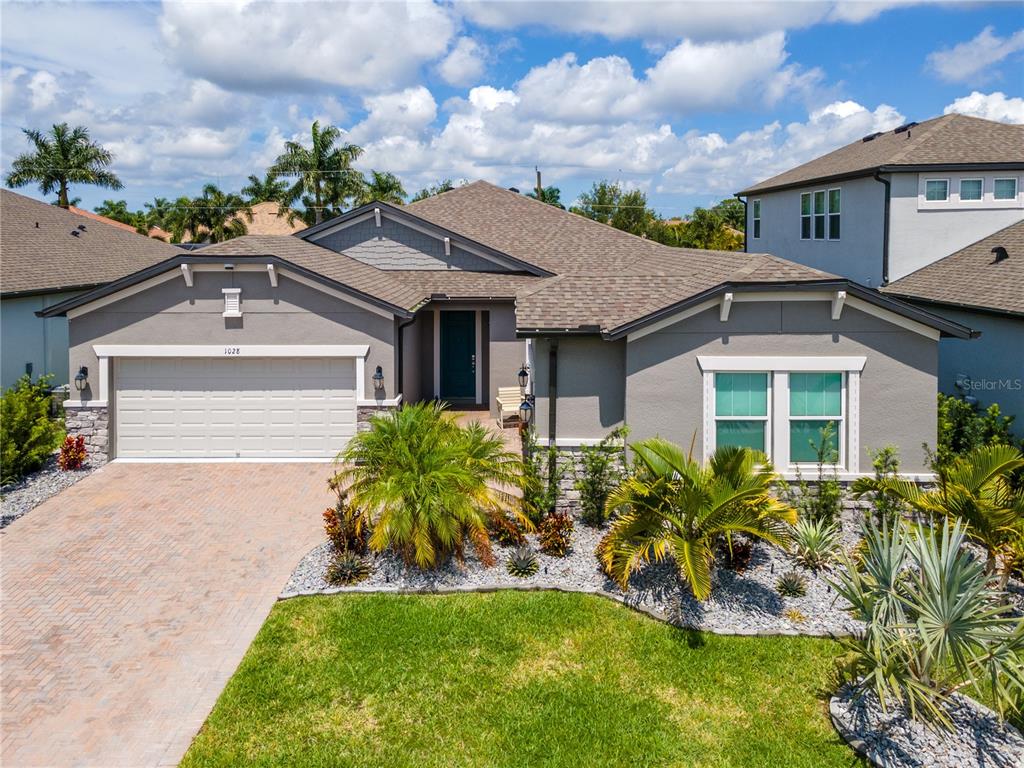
(687,101)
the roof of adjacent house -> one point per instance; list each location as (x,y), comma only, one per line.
(267,220)
(974,277)
(154,232)
(46,249)
(950,140)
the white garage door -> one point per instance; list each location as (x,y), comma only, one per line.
(174,407)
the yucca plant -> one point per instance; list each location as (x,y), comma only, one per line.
(429,485)
(935,624)
(672,507)
(815,542)
(976,488)
(791,584)
(522,562)
(347,568)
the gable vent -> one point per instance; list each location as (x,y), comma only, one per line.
(232,302)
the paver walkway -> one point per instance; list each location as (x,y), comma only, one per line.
(129,599)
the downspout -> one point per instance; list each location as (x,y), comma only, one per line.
(746,223)
(399,385)
(885,227)
(552,404)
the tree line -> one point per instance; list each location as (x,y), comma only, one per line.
(317,182)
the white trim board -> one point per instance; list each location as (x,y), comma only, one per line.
(225,460)
(780,363)
(231,350)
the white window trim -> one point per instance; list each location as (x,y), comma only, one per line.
(830,214)
(755,219)
(840,420)
(1016,189)
(960,190)
(943,200)
(767,418)
(815,215)
(781,363)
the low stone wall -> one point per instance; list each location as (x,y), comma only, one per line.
(365,412)
(92,423)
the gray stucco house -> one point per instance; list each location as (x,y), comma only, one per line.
(280,347)
(48,255)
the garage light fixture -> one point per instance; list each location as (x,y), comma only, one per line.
(82,378)
(524,377)
(525,412)
(378,379)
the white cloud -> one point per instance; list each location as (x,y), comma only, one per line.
(404,113)
(975,60)
(264,47)
(991,106)
(464,64)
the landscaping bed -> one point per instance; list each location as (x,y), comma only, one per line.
(512,679)
(18,498)
(740,603)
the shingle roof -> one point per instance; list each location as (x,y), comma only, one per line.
(972,277)
(38,251)
(948,140)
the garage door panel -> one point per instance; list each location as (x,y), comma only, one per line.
(236,407)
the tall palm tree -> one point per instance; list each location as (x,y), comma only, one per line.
(672,507)
(323,173)
(63,157)
(268,189)
(213,217)
(383,187)
(429,484)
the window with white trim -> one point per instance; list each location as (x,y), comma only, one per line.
(805,216)
(819,215)
(833,213)
(971,189)
(1005,189)
(741,410)
(756,225)
(936,190)
(815,401)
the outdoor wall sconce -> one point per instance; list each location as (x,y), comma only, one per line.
(81,378)
(524,377)
(378,379)
(525,412)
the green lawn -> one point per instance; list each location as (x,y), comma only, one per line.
(515,679)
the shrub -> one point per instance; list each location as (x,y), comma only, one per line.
(72,453)
(428,485)
(542,477)
(505,530)
(886,506)
(795,616)
(602,468)
(347,568)
(523,562)
(824,501)
(672,507)
(791,584)
(935,623)
(27,433)
(554,534)
(963,426)
(815,542)
(736,553)
(346,526)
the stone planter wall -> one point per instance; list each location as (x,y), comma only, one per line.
(92,423)
(365,412)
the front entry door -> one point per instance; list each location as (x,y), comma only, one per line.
(458,355)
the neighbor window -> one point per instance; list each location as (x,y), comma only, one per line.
(815,400)
(970,189)
(819,215)
(741,410)
(833,214)
(1005,189)
(757,218)
(936,190)
(805,216)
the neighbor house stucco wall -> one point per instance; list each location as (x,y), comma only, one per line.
(25,338)
(396,246)
(292,313)
(856,255)
(664,394)
(921,233)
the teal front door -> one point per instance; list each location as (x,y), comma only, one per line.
(458,355)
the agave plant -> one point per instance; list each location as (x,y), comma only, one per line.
(430,485)
(976,488)
(791,584)
(815,542)
(522,562)
(935,625)
(672,507)
(347,568)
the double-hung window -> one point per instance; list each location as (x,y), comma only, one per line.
(819,215)
(833,214)
(741,410)
(805,216)
(756,224)
(936,190)
(816,412)
(1005,189)
(971,189)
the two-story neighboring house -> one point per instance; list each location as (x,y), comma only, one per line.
(889,205)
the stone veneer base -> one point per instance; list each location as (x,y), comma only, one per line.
(92,423)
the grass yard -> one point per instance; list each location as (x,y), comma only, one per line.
(515,679)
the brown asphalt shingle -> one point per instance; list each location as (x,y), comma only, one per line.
(39,253)
(947,140)
(972,277)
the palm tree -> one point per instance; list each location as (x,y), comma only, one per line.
(673,507)
(978,489)
(63,157)
(323,173)
(429,484)
(549,195)
(383,187)
(267,189)
(214,217)
(445,185)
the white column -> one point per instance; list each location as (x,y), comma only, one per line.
(709,414)
(779,421)
(853,421)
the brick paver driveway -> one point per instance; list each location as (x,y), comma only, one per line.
(129,599)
